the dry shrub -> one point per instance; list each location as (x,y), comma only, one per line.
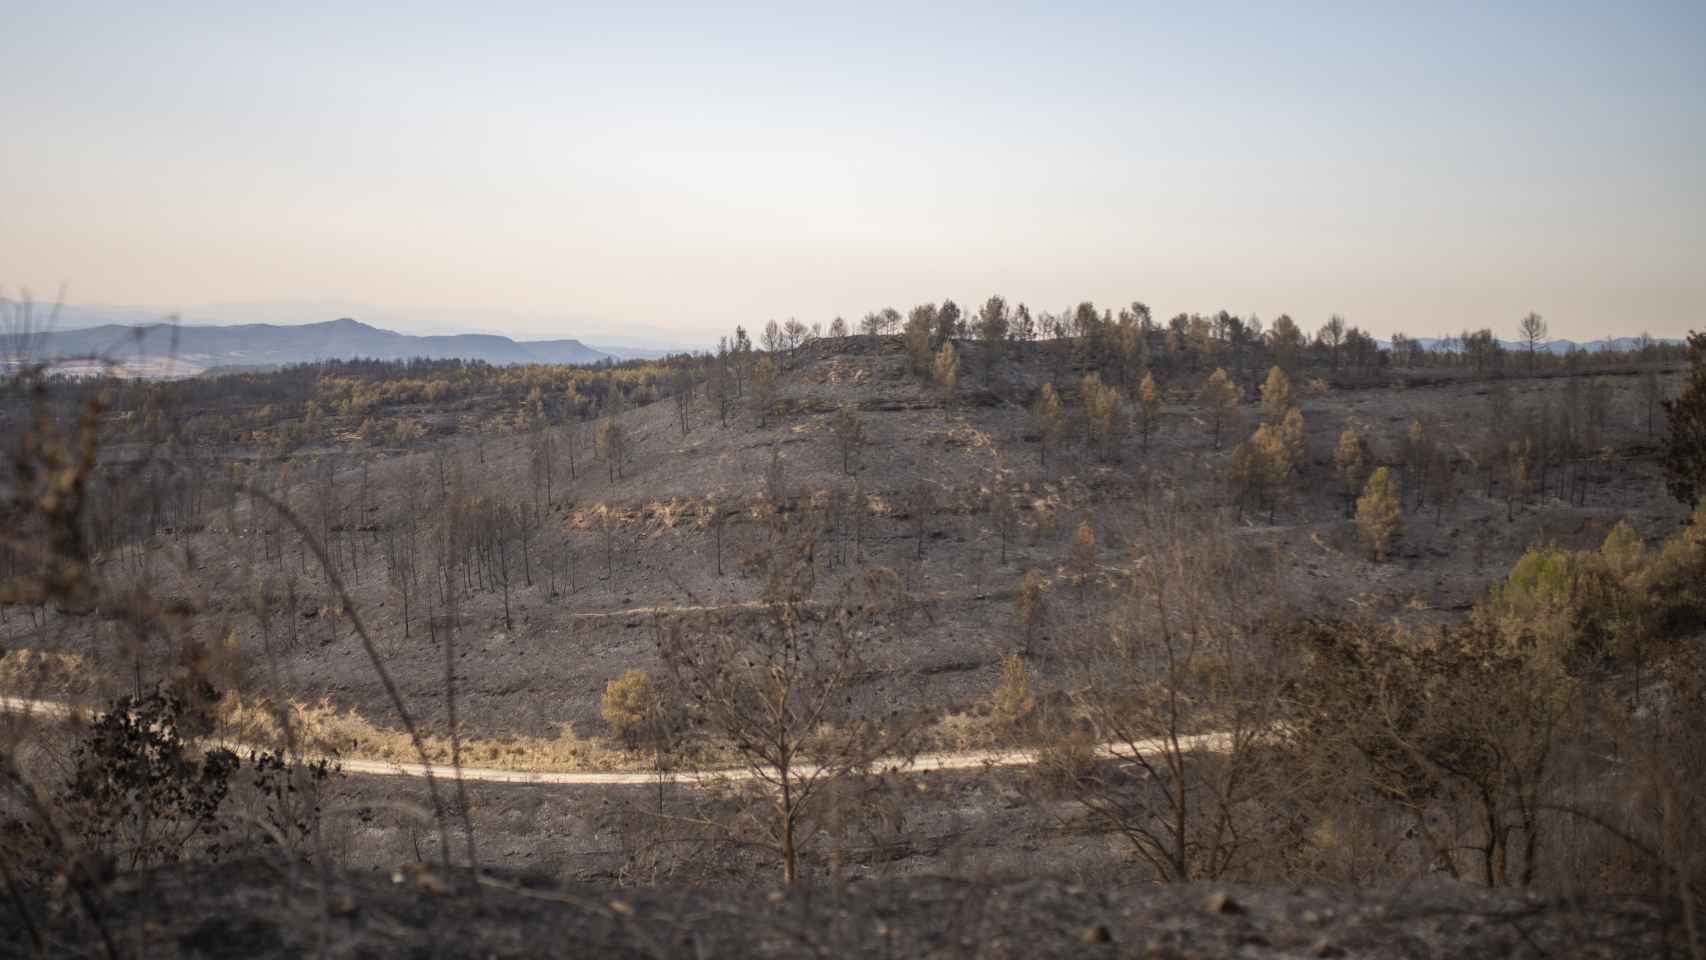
(958,730)
(41,671)
(1012,701)
(631,705)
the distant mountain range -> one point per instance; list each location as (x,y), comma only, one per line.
(1559,347)
(196,348)
(637,340)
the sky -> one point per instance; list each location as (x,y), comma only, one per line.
(670,171)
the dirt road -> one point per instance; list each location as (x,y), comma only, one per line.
(922,763)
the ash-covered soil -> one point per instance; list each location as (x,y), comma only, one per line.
(549,666)
(252,908)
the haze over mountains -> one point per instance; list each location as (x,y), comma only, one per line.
(624,338)
(196,348)
(1559,347)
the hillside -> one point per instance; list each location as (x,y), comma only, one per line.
(512,565)
(625,549)
(957,452)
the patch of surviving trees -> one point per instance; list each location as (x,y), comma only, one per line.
(1215,735)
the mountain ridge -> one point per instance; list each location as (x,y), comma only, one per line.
(262,344)
(1560,346)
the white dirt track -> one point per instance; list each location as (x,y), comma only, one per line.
(921,763)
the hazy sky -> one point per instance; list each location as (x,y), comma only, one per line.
(1420,167)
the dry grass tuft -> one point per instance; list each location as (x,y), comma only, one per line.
(38,671)
(322,729)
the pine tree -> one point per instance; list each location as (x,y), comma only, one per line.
(920,504)
(1083,557)
(711,518)
(1048,421)
(1276,396)
(946,367)
(1351,459)
(1269,459)
(850,434)
(681,392)
(1219,399)
(1379,517)
(1441,480)
(1418,450)
(612,446)
(1533,330)
(1287,339)
(1003,515)
(1245,476)
(1291,434)
(993,329)
(1102,414)
(1652,394)
(1685,444)
(1031,606)
(764,391)
(1148,408)
(916,338)
(1518,460)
